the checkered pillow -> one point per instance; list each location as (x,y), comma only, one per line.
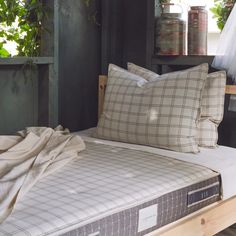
(145,73)
(212,109)
(160,113)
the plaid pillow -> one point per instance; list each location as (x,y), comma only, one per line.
(212,106)
(212,109)
(145,73)
(160,113)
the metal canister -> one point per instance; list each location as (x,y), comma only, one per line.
(170,33)
(197,30)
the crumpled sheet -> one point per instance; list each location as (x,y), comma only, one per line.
(29,156)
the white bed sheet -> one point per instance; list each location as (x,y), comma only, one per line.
(221,159)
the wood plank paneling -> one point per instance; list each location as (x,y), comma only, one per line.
(112,33)
(18,98)
(127,32)
(78,64)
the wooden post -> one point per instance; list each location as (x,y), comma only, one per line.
(101,93)
(47,32)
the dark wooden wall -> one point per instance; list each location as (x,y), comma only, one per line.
(112,33)
(135,31)
(79,53)
(84,51)
(227,128)
(126,29)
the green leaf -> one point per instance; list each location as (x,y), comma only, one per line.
(4,53)
(30,14)
(221,11)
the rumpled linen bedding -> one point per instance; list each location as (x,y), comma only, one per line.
(29,156)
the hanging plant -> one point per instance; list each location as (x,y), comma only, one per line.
(21,23)
(92,14)
(87,2)
(221,11)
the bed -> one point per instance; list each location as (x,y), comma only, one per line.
(101,194)
(88,197)
(148,194)
(207,221)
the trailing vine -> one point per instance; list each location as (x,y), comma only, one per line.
(221,11)
(21,22)
(92,15)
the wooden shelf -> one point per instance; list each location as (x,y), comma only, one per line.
(25,60)
(181,60)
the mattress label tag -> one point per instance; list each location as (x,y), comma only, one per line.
(147,217)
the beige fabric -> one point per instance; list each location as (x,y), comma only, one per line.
(145,73)
(33,154)
(212,109)
(7,142)
(161,113)
(212,104)
(207,133)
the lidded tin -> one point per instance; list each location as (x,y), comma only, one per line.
(170,32)
(197,30)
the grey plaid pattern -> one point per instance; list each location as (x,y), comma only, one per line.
(106,181)
(207,135)
(212,105)
(161,113)
(171,207)
(212,109)
(143,72)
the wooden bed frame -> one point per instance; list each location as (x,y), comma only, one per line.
(205,222)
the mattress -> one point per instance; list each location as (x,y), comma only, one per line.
(113,191)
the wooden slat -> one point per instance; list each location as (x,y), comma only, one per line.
(181,60)
(230,89)
(101,93)
(26,60)
(208,222)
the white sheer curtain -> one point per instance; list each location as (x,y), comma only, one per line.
(226,52)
